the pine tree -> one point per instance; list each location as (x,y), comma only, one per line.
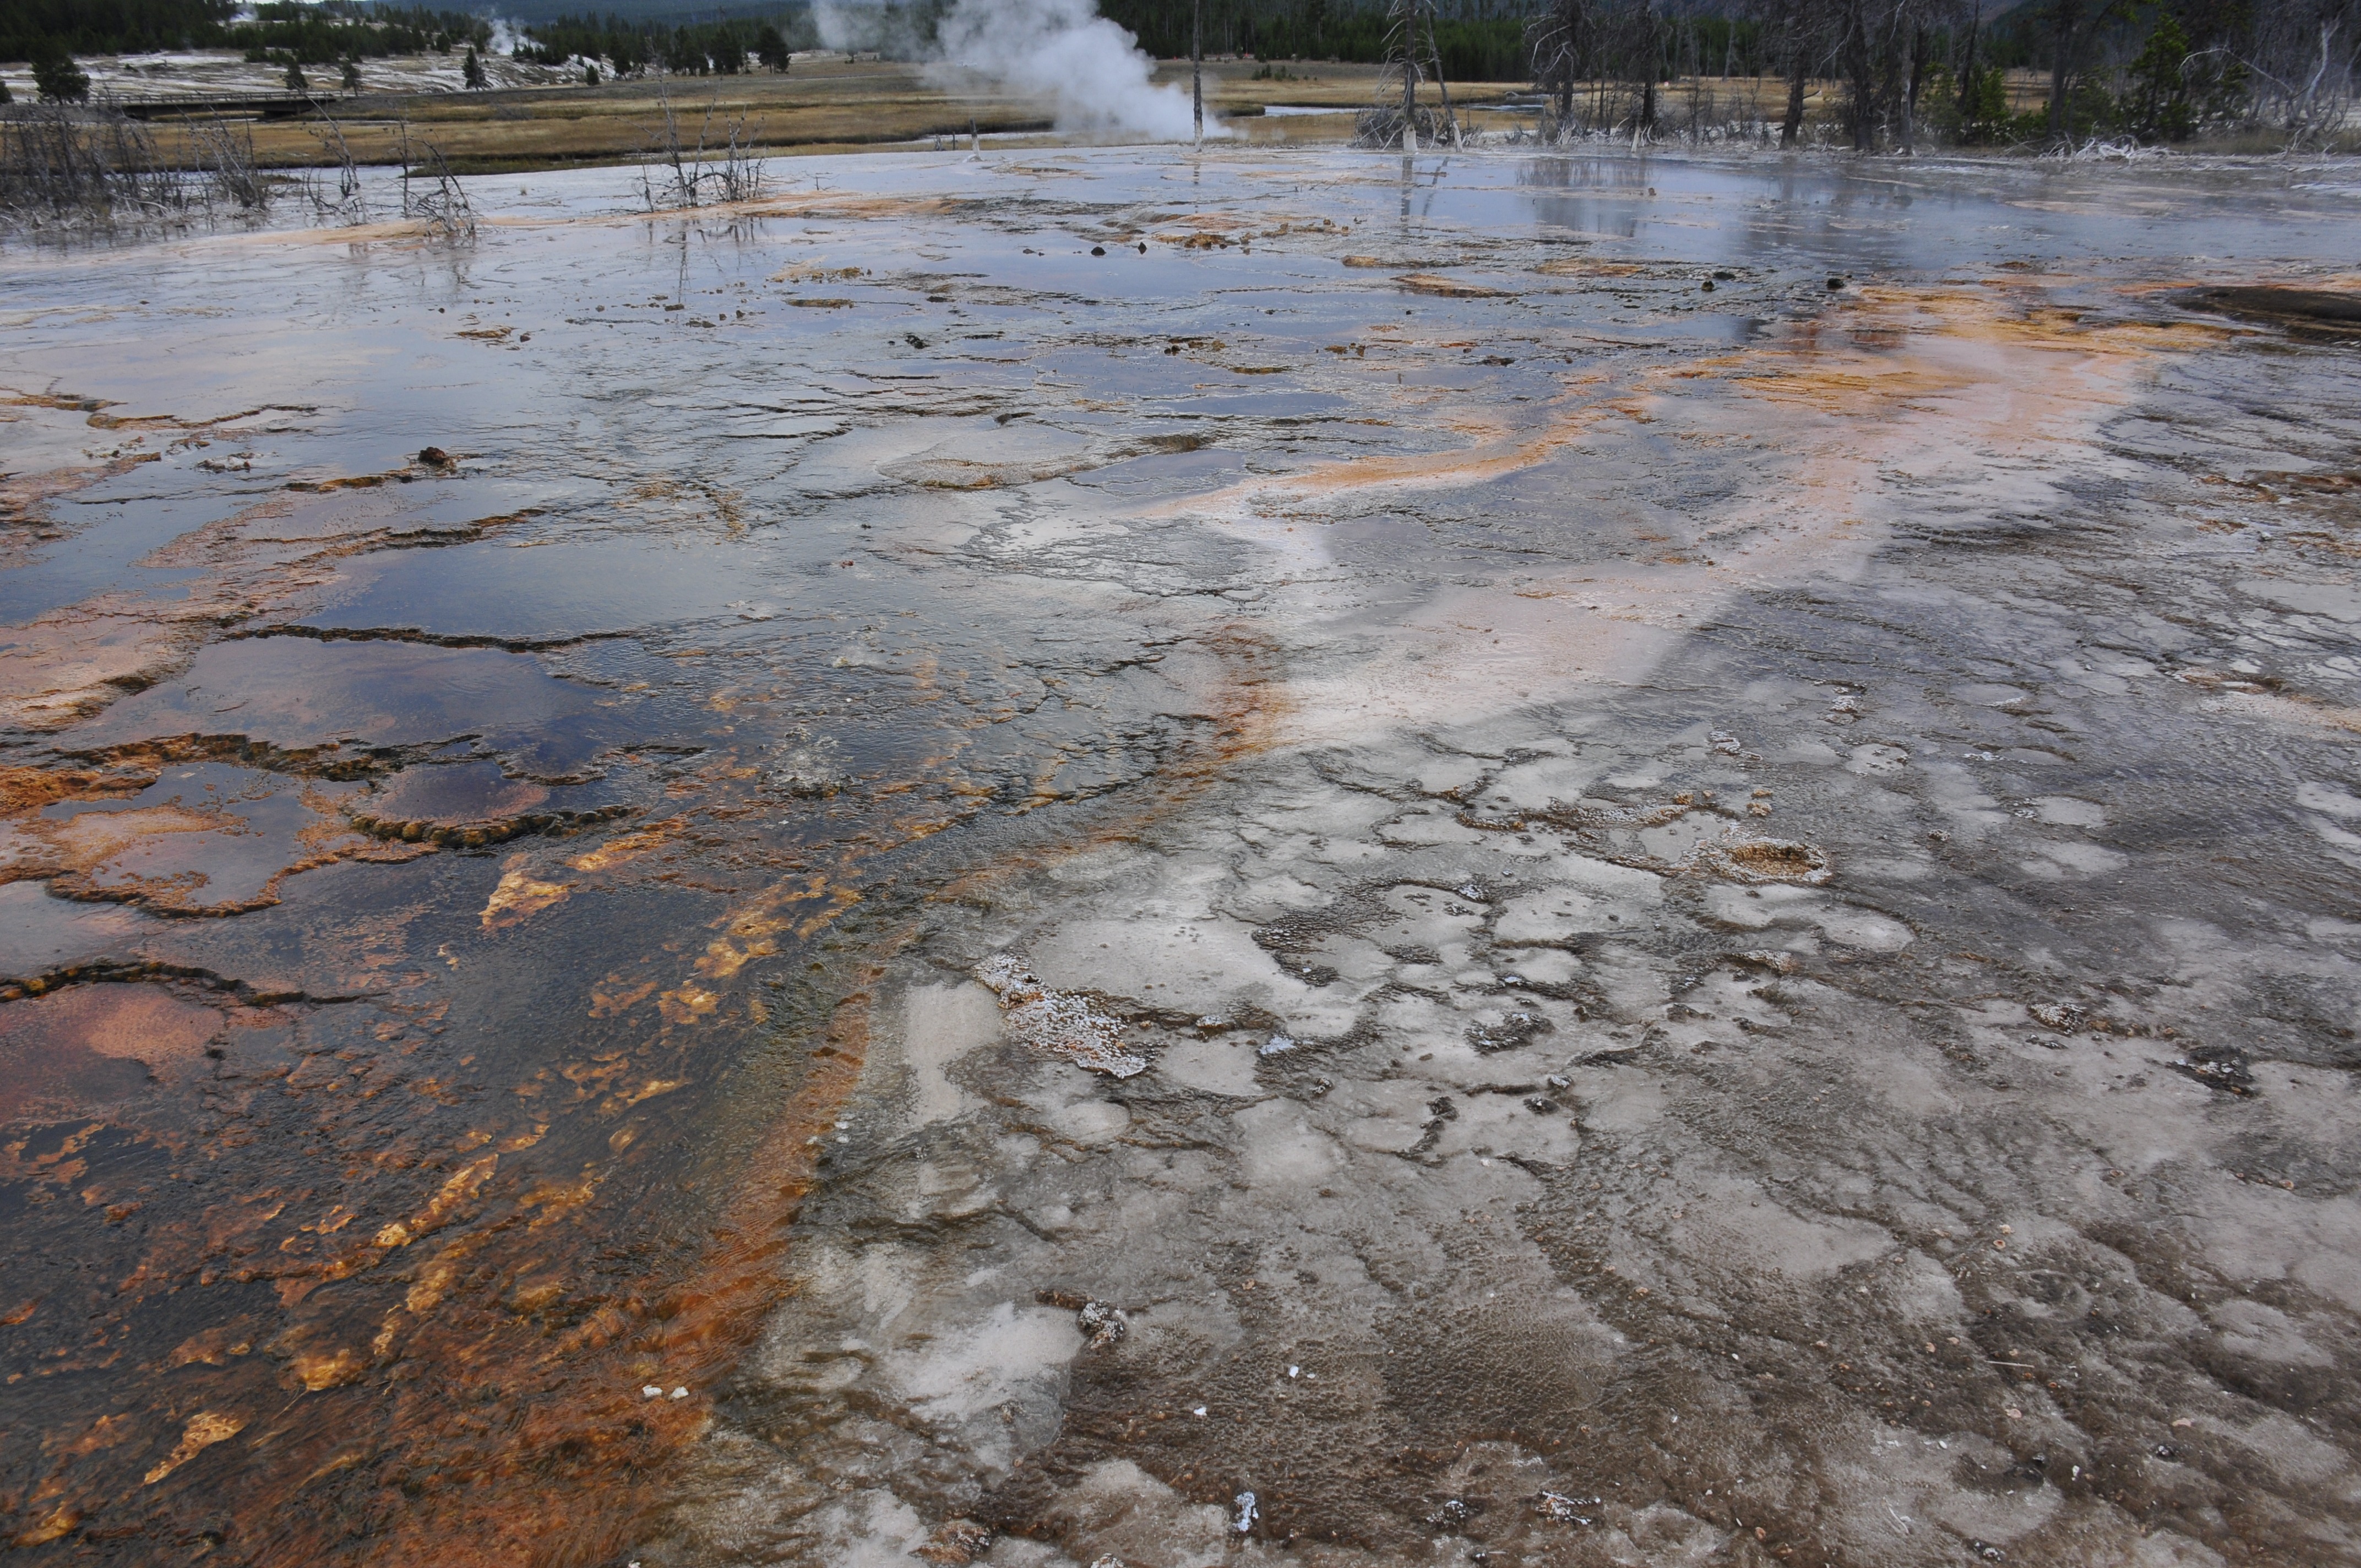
(58,79)
(2158,104)
(472,70)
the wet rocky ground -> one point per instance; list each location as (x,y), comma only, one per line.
(1517,860)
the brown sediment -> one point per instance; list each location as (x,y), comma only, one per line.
(20,494)
(1762,859)
(167,856)
(2231,695)
(1446,288)
(629,845)
(840,204)
(469,806)
(1217,230)
(814,272)
(63,668)
(962,474)
(67,402)
(1500,449)
(2331,313)
(24,789)
(205,1429)
(1582,267)
(76,1051)
(520,895)
(416,232)
(1219,226)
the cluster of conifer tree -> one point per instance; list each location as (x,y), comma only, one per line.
(1479,40)
(722,48)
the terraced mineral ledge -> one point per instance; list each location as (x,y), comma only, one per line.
(1129,857)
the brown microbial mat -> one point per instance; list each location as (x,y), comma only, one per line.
(2329,313)
(1283,856)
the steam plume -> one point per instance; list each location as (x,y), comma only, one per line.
(1061,52)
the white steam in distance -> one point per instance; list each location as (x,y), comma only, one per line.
(1065,52)
(1061,52)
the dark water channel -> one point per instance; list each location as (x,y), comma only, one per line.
(1554,861)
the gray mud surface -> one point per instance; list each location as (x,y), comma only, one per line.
(1555,862)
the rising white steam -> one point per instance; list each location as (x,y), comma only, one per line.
(865,25)
(1060,52)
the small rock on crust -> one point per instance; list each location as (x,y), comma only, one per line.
(1743,860)
(956,1542)
(1562,1508)
(1062,1024)
(1103,1323)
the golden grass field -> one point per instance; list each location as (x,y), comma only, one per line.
(841,106)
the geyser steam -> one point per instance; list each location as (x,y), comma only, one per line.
(1060,52)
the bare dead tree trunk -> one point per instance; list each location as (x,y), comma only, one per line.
(1968,69)
(1792,126)
(1921,58)
(1566,79)
(1557,38)
(1442,87)
(1799,38)
(2064,42)
(1910,93)
(1860,72)
(1409,89)
(1197,69)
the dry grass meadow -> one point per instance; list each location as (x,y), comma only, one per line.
(837,106)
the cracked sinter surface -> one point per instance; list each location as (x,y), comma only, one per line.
(1113,858)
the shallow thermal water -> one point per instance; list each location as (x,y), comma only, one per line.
(1368,850)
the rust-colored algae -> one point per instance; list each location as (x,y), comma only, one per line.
(591,1420)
